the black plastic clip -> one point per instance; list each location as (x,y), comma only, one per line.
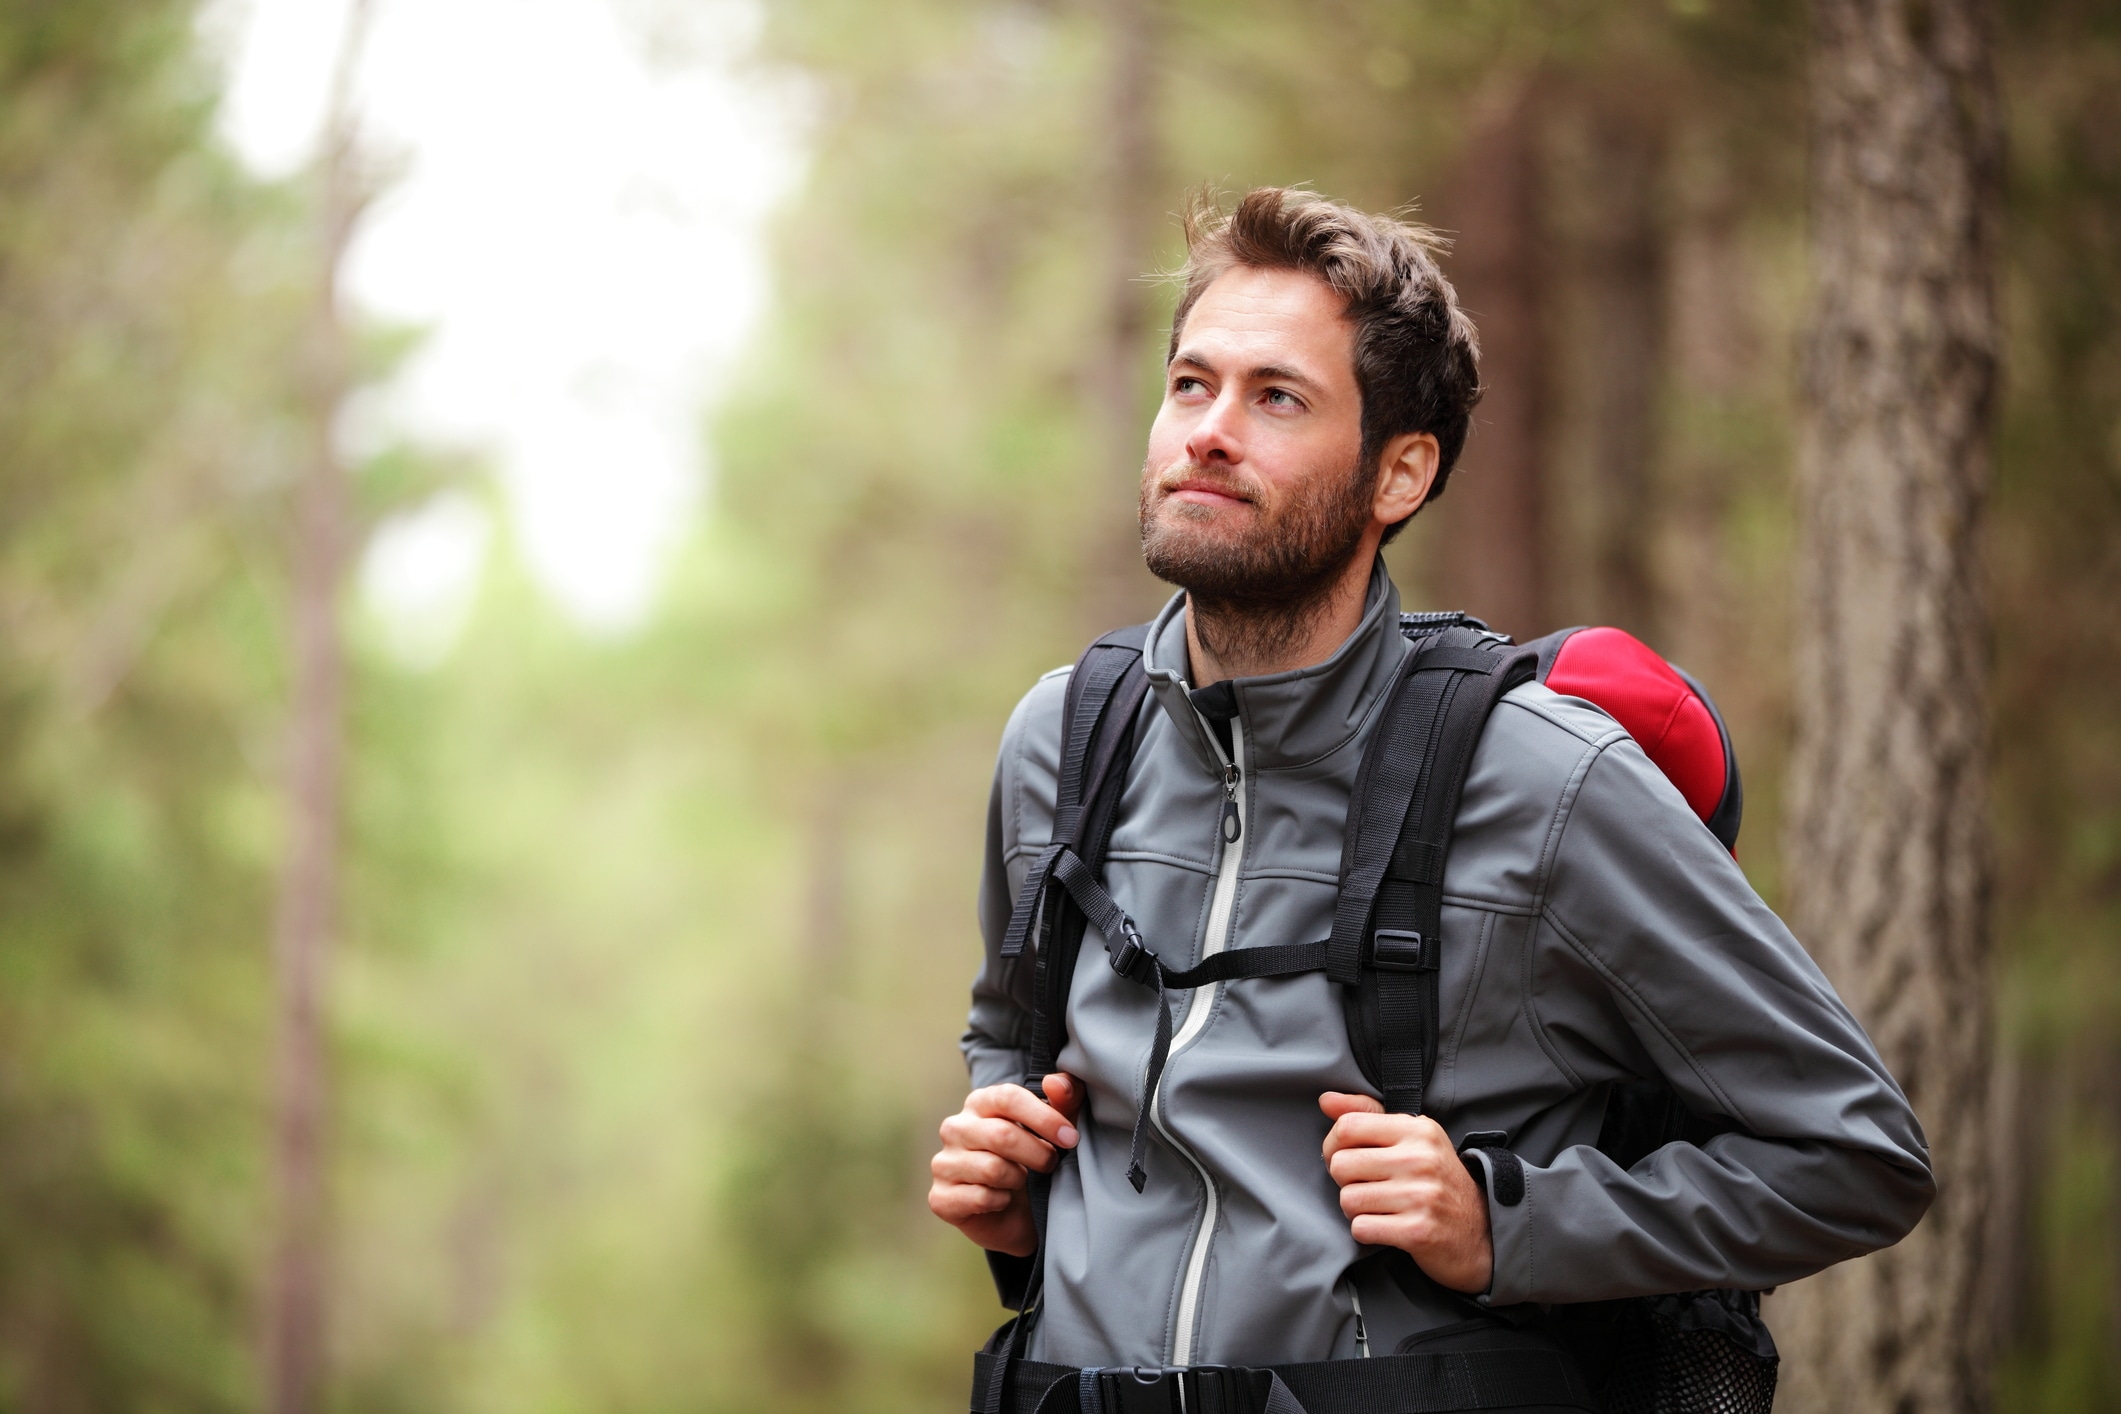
(1132,959)
(1396,950)
(1194,1389)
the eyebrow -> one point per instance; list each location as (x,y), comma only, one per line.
(1263,373)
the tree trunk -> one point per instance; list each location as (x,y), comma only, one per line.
(1624,289)
(1887,851)
(1492,560)
(1121,586)
(306,915)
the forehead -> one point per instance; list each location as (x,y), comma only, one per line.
(1258,317)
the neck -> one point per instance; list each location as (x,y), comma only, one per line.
(1232,638)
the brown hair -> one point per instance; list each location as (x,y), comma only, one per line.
(1417,355)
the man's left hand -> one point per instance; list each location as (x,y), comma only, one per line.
(1403,1185)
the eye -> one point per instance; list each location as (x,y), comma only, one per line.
(1282,398)
(1188,387)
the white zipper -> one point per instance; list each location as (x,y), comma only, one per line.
(1196,1020)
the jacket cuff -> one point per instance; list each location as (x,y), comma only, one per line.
(1507,1184)
(1012,1278)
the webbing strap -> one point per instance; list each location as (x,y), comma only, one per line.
(1278,960)
(1080,858)
(1391,767)
(1513,1375)
(1407,922)
(1105,684)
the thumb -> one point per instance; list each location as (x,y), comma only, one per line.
(1064,1093)
(1336,1104)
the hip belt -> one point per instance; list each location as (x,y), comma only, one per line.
(1525,1375)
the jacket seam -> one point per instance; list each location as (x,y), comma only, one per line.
(1532,704)
(1476,903)
(1635,1001)
(1447,1065)
(1150,856)
(1564,807)
(1301,876)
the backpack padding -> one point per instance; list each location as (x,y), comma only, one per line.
(1730,811)
(1671,718)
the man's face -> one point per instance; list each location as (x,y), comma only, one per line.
(1251,491)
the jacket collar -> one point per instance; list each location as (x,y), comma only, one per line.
(1289,719)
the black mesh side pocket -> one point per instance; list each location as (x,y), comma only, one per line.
(1698,1352)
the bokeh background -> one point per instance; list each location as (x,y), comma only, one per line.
(738,406)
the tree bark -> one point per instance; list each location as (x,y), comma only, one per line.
(1887,851)
(309,886)
(1492,561)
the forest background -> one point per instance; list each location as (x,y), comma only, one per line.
(653,947)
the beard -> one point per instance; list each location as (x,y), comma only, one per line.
(1256,588)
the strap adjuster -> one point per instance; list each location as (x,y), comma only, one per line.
(1398,950)
(1132,959)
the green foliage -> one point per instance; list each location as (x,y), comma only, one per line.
(139,659)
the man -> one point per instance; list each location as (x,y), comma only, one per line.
(1318,389)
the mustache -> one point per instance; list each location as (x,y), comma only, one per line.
(1171,478)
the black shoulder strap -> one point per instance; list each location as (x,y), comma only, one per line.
(1390,914)
(1105,694)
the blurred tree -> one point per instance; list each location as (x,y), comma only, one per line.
(1888,848)
(1495,560)
(2054,1270)
(295,1285)
(1128,185)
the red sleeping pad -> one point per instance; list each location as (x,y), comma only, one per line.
(1669,714)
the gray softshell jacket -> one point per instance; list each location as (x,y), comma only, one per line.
(1593,931)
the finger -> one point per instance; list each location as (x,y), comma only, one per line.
(998,1136)
(1367,1130)
(1388,1230)
(962,1202)
(1015,1103)
(976,1166)
(1369,1164)
(1065,1093)
(1337,1103)
(1393,1198)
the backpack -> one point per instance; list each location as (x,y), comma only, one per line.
(1704,1352)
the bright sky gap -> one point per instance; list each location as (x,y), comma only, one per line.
(577,223)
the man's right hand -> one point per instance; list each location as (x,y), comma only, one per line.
(982,1175)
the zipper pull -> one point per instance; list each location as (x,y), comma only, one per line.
(1233,824)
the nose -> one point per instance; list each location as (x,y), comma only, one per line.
(1214,439)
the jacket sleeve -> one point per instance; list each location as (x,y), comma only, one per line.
(1652,956)
(997,1037)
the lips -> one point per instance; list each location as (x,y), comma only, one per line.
(1201,491)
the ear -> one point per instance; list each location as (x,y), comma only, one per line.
(1408,471)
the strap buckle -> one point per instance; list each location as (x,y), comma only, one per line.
(1132,959)
(1190,1389)
(1398,950)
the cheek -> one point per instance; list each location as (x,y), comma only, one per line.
(1312,470)
(1167,441)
